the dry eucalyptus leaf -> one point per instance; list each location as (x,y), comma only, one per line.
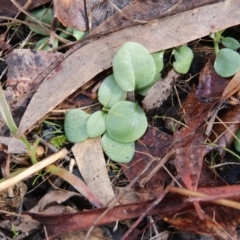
(92,165)
(86,62)
(71,13)
(143,12)
(160,91)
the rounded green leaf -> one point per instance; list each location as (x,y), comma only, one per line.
(133,67)
(236,142)
(110,93)
(43,44)
(79,35)
(96,124)
(65,33)
(126,122)
(43,15)
(183,57)
(75,125)
(229,42)
(227,62)
(143,91)
(116,151)
(158,59)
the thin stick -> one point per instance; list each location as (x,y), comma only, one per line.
(155,203)
(156,169)
(185,192)
(33,169)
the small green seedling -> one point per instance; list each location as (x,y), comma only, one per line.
(236,142)
(158,59)
(133,67)
(122,122)
(110,93)
(119,152)
(126,122)
(96,124)
(43,15)
(15,233)
(183,57)
(75,125)
(46,18)
(227,62)
(229,42)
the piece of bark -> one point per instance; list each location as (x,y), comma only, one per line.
(160,91)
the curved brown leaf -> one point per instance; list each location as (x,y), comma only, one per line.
(86,62)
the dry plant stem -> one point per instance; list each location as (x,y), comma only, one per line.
(160,164)
(185,192)
(151,220)
(213,115)
(52,31)
(28,3)
(223,164)
(7,173)
(21,9)
(43,25)
(14,214)
(227,128)
(33,169)
(155,203)
(116,199)
(213,198)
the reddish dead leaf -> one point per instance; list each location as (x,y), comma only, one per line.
(154,144)
(218,222)
(3,45)
(210,85)
(97,55)
(71,13)
(225,128)
(59,224)
(189,146)
(171,206)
